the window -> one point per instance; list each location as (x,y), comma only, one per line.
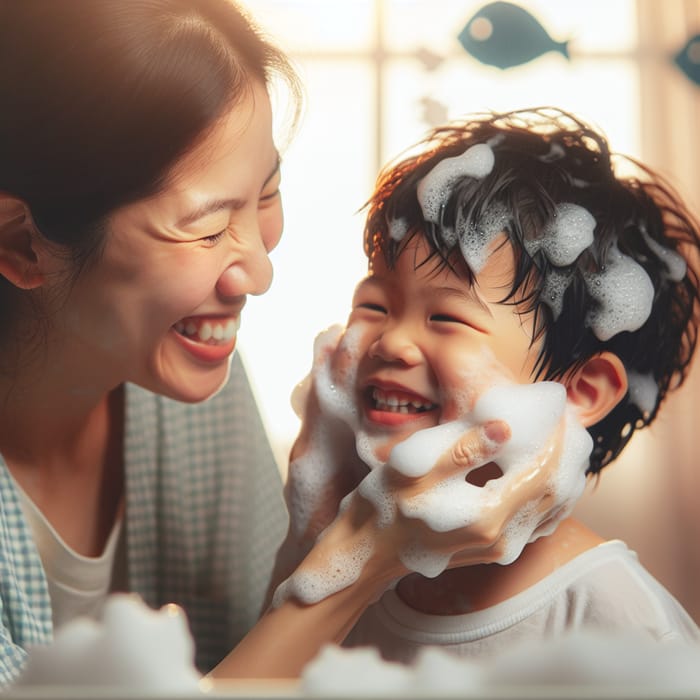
(377,73)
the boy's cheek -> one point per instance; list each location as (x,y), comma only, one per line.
(465,389)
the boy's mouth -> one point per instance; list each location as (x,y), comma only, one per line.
(394,401)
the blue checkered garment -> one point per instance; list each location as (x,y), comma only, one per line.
(204,517)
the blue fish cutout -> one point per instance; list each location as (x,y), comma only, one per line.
(505,35)
(688,59)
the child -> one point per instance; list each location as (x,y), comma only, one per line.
(514,276)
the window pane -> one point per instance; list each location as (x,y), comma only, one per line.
(596,25)
(316,25)
(605,92)
(326,176)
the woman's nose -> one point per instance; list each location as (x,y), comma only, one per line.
(396,344)
(251,273)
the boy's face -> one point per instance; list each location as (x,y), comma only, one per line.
(424,345)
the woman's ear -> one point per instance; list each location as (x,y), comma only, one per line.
(19,258)
(597,387)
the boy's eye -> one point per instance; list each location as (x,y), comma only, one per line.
(445,318)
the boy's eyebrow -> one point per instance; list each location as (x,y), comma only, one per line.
(211,206)
(469,295)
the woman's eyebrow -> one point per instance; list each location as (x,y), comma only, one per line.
(212,206)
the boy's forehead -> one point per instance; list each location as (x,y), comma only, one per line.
(491,282)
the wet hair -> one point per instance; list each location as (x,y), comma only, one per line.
(544,158)
(101,98)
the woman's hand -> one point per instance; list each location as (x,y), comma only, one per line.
(421,510)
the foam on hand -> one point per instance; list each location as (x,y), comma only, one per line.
(533,412)
(131,647)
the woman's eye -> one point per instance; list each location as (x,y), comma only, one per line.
(214,238)
(266,198)
(372,307)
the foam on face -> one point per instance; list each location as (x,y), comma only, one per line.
(532,411)
(435,188)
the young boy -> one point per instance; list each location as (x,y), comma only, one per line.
(513,276)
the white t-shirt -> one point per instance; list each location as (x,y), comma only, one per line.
(78,585)
(604,589)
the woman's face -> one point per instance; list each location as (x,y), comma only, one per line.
(162,306)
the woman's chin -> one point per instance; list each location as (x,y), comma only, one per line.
(193,386)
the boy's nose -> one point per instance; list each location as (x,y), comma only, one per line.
(395,345)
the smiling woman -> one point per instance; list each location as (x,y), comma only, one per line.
(139,201)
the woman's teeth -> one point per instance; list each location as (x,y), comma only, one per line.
(388,401)
(209,332)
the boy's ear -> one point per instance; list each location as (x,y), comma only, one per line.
(597,387)
(19,244)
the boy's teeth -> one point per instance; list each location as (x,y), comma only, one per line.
(386,401)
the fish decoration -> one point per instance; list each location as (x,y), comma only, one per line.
(429,59)
(504,35)
(688,59)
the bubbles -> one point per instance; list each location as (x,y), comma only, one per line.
(565,237)
(475,241)
(582,664)
(532,412)
(398,228)
(644,391)
(624,293)
(435,188)
(556,283)
(675,264)
(310,585)
(131,647)
(417,454)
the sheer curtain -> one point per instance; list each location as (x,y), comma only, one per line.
(651,496)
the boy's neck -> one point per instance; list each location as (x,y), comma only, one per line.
(471,588)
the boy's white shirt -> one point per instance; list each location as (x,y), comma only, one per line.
(605,589)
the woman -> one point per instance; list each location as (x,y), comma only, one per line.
(139,199)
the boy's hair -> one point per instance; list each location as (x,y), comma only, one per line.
(545,158)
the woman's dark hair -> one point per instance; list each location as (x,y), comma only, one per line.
(544,158)
(99,98)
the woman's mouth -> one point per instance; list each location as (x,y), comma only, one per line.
(211,332)
(209,340)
